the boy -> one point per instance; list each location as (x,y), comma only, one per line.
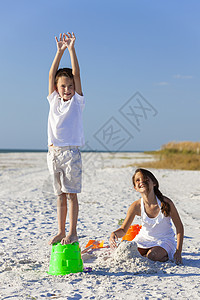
(65,136)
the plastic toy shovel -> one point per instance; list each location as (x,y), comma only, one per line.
(92,244)
(132,232)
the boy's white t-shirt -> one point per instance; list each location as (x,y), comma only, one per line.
(65,124)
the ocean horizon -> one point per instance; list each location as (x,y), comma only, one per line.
(46,150)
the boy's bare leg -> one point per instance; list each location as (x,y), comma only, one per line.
(73,217)
(61,214)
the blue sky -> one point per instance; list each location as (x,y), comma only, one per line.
(139,65)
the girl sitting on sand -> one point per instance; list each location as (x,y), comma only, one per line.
(156,239)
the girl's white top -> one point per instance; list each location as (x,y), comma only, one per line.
(155,231)
(65,123)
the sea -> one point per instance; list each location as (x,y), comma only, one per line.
(46,150)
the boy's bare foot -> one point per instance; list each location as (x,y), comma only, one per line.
(69,239)
(57,238)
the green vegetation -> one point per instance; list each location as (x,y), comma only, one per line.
(176,155)
(120,222)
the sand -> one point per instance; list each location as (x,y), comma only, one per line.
(28,220)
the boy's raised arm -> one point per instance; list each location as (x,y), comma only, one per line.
(61,46)
(70,40)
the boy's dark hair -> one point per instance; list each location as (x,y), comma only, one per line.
(67,72)
(165,207)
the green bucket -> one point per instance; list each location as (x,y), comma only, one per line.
(65,259)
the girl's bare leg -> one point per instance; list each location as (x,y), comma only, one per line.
(143,251)
(73,217)
(61,214)
(157,254)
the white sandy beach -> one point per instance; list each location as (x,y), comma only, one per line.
(28,220)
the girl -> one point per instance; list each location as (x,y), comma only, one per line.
(156,239)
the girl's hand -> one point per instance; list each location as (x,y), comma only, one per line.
(69,40)
(177,257)
(112,241)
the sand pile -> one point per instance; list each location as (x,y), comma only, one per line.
(127,259)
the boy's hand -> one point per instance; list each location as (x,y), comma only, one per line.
(69,40)
(61,44)
(66,41)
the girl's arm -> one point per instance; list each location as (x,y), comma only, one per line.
(133,210)
(179,231)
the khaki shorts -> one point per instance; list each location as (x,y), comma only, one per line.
(65,165)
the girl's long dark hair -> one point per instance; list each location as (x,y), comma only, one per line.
(165,207)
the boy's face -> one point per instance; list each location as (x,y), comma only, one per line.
(65,88)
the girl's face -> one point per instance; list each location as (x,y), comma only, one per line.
(142,183)
(65,88)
